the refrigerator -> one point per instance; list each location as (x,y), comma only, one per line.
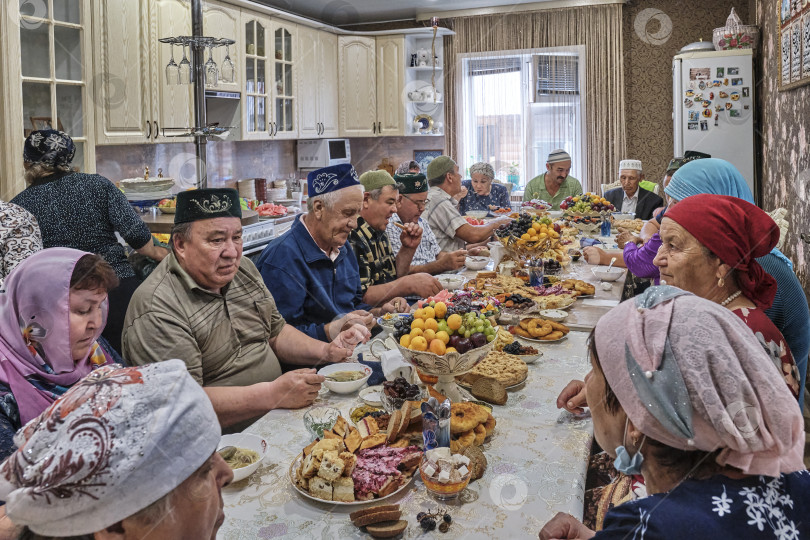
(713,100)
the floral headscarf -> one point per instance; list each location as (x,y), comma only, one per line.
(36,363)
(49,146)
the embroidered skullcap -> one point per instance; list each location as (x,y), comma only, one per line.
(372,180)
(50,147)
(678,162)
(411,183)
(327,179)
(558,155)
(440,166)
(117,441)
(210,203)
(630,165)
(483,168)
(690,374)
(737,232)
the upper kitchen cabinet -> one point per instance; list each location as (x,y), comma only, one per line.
(223,21)
(357,68)
(269,95)
(47,74)
(372,79)
(134,98)
(317,84)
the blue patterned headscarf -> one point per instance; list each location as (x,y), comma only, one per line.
(714,177)
(49,146)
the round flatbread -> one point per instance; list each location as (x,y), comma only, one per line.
(465,416)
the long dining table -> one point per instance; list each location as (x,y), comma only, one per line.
(537,457)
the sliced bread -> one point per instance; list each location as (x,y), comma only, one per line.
(393,426)
(378,517)
(373,510)
(388,529)
(490,391)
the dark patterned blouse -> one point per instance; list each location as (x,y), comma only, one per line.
(84,211)
(498,196)
(19,236)
(374,256)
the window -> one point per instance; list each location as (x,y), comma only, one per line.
(516,107)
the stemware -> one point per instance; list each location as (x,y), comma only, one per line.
(227,73)
(172,70)
(211,74)
(185,71)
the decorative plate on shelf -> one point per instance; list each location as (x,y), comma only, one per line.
(423,124)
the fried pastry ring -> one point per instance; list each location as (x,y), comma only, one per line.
(539,328)
(559,327)
(557,334)
(489,425)
(480,434)
(465,416)
(521,332)
(466,439)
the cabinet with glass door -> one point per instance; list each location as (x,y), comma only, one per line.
(285,121)
(256,95)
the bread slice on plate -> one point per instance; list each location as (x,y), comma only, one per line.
(374,440)
(368,427)
(388,529)
(331,466)
(353,440)
(490,391)
(320,488)
(372,510)
(349,463)
(393,426)
(377,517)
(343,490)
(341,427)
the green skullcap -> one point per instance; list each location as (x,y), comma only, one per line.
(439,167)
(372,180)
(412,183)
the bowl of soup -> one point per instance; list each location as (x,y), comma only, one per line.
(346,377)
(243,452)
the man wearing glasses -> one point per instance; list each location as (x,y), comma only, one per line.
(428,257)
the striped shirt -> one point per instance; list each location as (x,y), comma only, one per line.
(441,213)
(222,338)
(374,256)
(428,248)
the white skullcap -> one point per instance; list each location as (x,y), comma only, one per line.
(558,155)
(630,165)
(117,441)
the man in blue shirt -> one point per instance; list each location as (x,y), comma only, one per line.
(311,271)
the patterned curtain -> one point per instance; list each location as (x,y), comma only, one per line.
(598,28)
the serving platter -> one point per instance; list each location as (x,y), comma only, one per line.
(541,340)
(291,476)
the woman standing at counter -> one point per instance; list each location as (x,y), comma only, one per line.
(84,211)
(481,192)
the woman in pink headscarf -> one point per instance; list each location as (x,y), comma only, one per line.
(52,311)
(683,394)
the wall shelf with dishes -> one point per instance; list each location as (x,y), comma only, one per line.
(423,95)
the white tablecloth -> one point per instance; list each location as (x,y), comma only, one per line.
(537,465)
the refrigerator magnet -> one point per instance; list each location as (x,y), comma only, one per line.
(733,71)
(746,107)
(734,113)
(717,83)
(725,82)
(722,95)
(688,103)
(737,81)
(704,125)
(690,93)
(707,113)
(746,92)
(718,107)
(702,85)
(692,125)
(694,116)
(735,96)
(728,106)
(706,104)
(711,95)
(721,72)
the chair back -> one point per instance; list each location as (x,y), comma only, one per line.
(607,187)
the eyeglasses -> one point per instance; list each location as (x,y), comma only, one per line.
(419,204)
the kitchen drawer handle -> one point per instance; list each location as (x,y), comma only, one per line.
(374,127)
(149,132)
(320,128)
(157,130)
(379,128)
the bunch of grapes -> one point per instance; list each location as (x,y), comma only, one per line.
(586,203)
(516,228)
(402,326)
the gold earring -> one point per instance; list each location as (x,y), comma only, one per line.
(720,283)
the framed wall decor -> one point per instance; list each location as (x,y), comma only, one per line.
(424,157)
(794,43)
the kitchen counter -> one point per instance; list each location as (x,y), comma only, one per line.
(160,223)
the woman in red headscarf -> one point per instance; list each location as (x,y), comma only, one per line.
(709,246)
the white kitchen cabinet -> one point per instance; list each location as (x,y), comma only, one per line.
(255,93)
(134,102)
(284,47)
(317,84)
(357,66)
(223,21)
(372,82)
(390,85)
(47,80)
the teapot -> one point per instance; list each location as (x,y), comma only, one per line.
(416,95)
(427,94)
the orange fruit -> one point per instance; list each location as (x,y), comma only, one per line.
(429,335)
(419,344)
(454,321)
(444,336)
(428,313)
(405,340)
(437,347)
(431,324)
(418,323)
(440,310)
(416,332)
(418,314)
(449,350)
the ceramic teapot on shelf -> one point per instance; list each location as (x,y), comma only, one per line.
(416,95)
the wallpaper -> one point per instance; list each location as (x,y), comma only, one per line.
(785,136)
(654,32)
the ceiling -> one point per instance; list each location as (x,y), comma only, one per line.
(351,12)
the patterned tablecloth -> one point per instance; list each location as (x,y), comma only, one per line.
(537,464)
